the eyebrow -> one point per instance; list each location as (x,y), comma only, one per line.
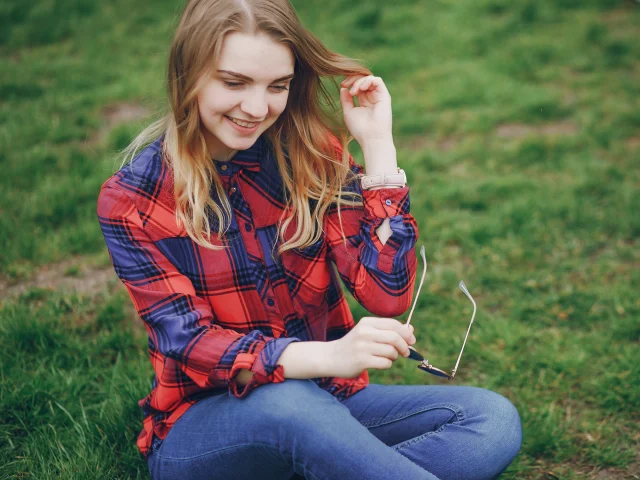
(249,79)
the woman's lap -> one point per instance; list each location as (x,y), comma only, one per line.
(295,427)
(451,431)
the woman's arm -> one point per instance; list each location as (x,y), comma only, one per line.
(380,158)
(189,351)
(379,275)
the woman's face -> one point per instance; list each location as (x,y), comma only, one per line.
(258,98)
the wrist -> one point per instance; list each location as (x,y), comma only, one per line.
(380,157)
(328,358)
(375,143)
(244,376)
(309,359)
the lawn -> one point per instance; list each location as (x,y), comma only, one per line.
(518,124)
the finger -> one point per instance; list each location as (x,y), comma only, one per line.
(346,100)
(371,83)
(400,344)
(411,329)
(385,350)
(357,85)
(380,86)
(367,84)
(379,363)
(392,324)
(347,82)
(389,337)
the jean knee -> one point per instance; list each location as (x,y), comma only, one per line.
(502,427)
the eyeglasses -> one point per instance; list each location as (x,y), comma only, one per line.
(424,364)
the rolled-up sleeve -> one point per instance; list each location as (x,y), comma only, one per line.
(380,277)
(189,351)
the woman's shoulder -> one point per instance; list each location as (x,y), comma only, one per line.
(144,171)
(147,183)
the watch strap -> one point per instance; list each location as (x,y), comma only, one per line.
(398,179)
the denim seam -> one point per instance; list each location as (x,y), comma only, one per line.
(411,441)
(458,412)
(298,465)
(159,456)
(384,421)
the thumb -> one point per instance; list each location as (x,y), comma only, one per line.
(346,100)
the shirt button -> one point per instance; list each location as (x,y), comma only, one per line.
(271,302)
(247,227)
(388,202)
(233,189)
(223,167)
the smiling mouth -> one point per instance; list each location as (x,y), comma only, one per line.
(242,123)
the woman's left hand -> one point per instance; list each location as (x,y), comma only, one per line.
(371,119)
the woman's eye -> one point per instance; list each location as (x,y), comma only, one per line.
(233,84)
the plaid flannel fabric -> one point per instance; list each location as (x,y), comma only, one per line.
(209,314)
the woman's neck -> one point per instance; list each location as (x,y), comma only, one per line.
(226,158)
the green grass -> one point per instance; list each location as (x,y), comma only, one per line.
(518,125)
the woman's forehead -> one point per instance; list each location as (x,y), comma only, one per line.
(256,57)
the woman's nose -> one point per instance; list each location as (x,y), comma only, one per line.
(256,106)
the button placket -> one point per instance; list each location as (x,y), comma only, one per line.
(271,307)
(234,182)
(254,247)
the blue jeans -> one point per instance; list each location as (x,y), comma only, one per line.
(295,429)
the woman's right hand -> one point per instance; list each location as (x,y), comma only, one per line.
(375,342)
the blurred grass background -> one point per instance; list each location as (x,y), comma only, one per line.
(518,124)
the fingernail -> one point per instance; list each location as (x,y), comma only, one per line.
(413,339)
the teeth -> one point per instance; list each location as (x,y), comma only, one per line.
(241,123)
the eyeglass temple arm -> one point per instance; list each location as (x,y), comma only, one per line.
(424,271)
(466,292)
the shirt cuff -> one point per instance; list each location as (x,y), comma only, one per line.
(386,202)
(263,364)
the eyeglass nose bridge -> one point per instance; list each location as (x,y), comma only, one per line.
(425,366)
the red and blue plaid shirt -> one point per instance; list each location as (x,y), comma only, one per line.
(210,314)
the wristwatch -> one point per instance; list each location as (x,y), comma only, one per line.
(398,179)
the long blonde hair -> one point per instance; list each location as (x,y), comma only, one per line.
(313,175)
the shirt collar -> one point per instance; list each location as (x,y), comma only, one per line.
(265,187)
(248,159)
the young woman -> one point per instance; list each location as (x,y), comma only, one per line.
(229,228)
